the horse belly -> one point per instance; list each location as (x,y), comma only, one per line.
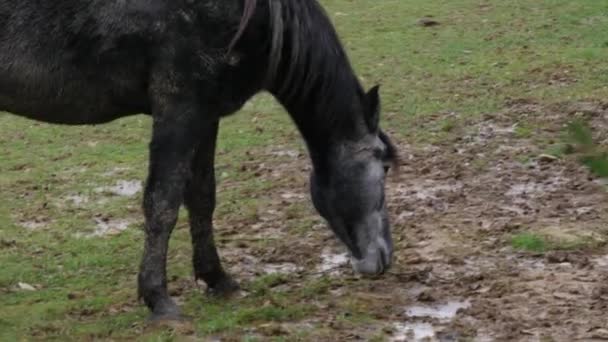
(69,96)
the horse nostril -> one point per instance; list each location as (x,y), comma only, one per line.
(379,266)
(385,259)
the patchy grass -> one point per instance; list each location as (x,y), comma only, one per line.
(591,154)
(524,131)
(540,243)
(529,242)
(481,56)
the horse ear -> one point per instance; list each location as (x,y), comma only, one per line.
(373,108)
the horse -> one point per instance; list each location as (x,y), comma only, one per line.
(187,64)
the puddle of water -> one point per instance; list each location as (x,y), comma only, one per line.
(331,260)
(413,332)
(286,153)
(292,195)
(444,312)
(122,188)
(283,268)
(419,331)
(601,261)
(535,189)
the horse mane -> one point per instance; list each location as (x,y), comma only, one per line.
(248,10)
(305,50)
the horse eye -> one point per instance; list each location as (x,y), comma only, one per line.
(386,168)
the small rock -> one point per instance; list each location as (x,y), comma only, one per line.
(556,257)
(7,243)
(388,330)
(427,22)
(273,329)
(455,261)
(564,296)
(26,287)
(600,334)
(547,158)
(426,296)
(73,296)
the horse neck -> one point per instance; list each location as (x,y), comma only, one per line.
(328,114)
(310,74)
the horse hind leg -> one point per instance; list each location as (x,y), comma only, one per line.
(199,198)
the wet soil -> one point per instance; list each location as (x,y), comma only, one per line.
(455,205)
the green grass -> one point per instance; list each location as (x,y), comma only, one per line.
(482,55)
(529,242)
(591,154)
(541,243)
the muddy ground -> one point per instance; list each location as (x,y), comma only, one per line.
(455,205)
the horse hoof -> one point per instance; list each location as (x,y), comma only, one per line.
(225,288)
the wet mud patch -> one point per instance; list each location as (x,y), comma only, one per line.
(103,226)
(34,224)
(458,203)
(455,206)
(426,321)
(333,262)
(125,188)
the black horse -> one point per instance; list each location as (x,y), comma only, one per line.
(188,63)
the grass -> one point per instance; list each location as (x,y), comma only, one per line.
(541,243)
(529,242)
(592,155)
(482,55)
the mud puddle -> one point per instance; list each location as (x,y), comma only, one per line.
(413,332)
(125,188)
(443,312)
(281,268)
(418,327)
(332,262)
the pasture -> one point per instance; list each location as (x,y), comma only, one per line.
(500,233)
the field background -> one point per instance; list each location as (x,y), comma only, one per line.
(491,210)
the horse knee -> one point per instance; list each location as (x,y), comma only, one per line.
(161,211)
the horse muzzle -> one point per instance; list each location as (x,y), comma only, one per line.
(376,261)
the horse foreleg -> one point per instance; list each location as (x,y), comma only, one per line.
(174,137)
(200,200)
